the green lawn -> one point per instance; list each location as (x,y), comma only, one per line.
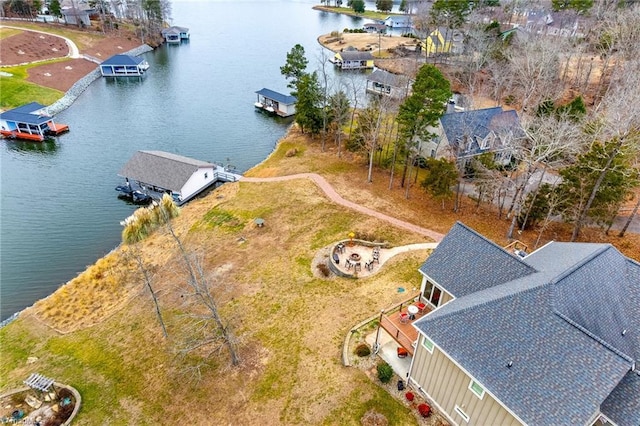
(16,91)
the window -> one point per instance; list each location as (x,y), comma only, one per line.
(476,389)
(206,175)
(462,414)
(428,344)
(432,293)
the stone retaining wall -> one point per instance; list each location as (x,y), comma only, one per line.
(82,84)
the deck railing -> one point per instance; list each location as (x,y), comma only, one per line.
(397,334)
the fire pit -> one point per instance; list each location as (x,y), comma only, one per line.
(355,257)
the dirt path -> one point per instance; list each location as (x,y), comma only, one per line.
(337,198)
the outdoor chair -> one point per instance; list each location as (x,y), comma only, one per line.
(404,318)
(421,307)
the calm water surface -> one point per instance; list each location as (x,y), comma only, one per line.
(59,211)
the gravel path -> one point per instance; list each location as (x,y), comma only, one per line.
(337,198)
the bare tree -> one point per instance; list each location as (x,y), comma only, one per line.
(534,66)
(214,329)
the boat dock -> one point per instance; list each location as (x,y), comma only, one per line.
(150,175)
(29,122)
(275,103)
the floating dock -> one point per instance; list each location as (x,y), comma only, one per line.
(29,122)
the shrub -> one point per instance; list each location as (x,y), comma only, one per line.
(409,396)
(291,153)
(424,410)
(385,372)
(363,350)
(324,269)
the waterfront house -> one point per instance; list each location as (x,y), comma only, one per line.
(76,12)
(124,66)
(353,60)
(547,338)
(175,34)
(398,21)
(29,122)
(384,83)
(276,103)
(443,41)
(163,172)
(463,135)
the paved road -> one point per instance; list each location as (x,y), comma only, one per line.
(337,198)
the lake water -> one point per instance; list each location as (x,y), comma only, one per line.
(59,211)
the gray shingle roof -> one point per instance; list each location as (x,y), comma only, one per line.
(475,125)
(385,77)
(162,169)
(559,325)
(354,55)
(478,263)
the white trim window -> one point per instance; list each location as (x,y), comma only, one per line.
(462,414)
(476,388)
(428,344)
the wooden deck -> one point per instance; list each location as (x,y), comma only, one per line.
(403,333)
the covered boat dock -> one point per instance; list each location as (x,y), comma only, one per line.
(276,103)
(29,122)
(157,172)
(124,66)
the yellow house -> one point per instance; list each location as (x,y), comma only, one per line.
(443,41)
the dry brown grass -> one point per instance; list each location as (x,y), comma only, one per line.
(291,321)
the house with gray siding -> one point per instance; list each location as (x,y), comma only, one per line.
(546,338)
(462,135)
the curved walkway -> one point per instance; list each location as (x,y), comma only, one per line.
(74,52)
(337,198)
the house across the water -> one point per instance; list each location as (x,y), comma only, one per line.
(175,34)
(124,66)
(353,60)
(276,103)
(29,122)
(157,172)
(381,82)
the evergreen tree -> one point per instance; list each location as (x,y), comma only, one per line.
(441,176)
(309,103)
(384,5)
(358,6)
(295,67)
(54,8)
(427,102)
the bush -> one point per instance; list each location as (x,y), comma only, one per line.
(424,410)
(291,153)
(385,372)
(409,396)
(324,269)
(363,350)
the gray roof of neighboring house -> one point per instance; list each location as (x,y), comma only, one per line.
(162,169)
(276,96)
(560,325)
(354,55)
(475,125)
(482,263)
(123,60)
(385,77)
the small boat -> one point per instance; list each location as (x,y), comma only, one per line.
(140,197)
(258,105)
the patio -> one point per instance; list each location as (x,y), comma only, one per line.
(397,322)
